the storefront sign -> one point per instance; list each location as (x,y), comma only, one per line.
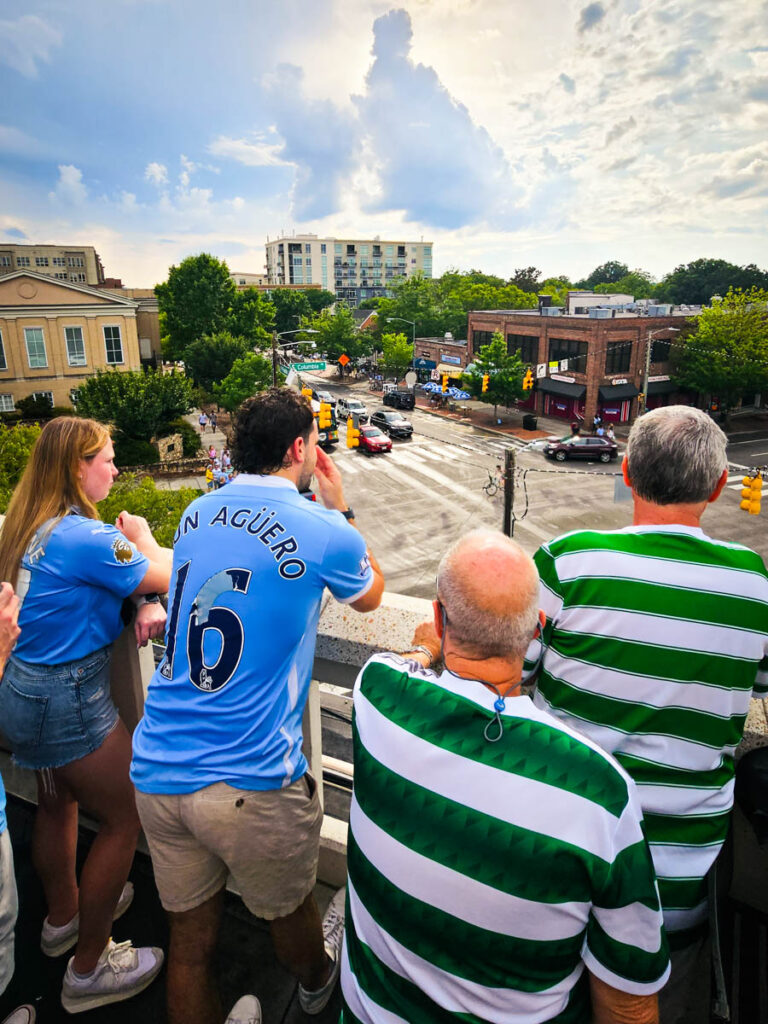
(563,365)
(541,370)
(456,360)
(663,376)
(424,364)
(565,380)
(619,380)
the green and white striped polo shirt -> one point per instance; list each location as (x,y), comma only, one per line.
(656,637)
(484,876)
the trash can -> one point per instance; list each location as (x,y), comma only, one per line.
(529,421)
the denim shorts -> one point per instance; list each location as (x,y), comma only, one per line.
(55,714)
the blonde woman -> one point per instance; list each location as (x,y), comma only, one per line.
(71,573)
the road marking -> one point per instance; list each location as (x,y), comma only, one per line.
(348,467)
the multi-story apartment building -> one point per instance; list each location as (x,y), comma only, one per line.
(79,264)
(352,268)
(54,334)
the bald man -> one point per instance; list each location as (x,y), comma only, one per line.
(497,866)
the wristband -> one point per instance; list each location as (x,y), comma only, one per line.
(423,650)
(347,513)
(147,599)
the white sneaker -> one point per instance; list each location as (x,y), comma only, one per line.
(121,972)
(333,935)
(246,1010)
(57,940)
(22,1015)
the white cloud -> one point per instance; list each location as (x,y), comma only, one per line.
(156,173)
(27,42)
(14,141)
(70,188)
(256,153)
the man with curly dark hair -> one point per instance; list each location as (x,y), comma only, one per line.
(218,752)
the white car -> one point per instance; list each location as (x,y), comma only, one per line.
(352,407)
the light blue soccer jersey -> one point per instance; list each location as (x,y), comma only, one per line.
(250,562)
(3,822)
(72,582)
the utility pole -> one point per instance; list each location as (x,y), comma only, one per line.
(509,490)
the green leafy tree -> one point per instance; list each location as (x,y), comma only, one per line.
(727,354)
(637,283)
(15,446)
(208,360)
(397,354)
(526,279)
(505,371)
(338,335)
(697,282)
(140,404)
(161,509)
(251,316)
(249,374)
(319,299)
(291,307)
(195,300)
(606,273)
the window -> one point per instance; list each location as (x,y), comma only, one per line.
(6,403)
(337,247)
(241,281)
(75,346)
(33,336)
(22,261)
(526,345)
(60,275)
(480,338)
(565,348)
(45,396)
(113,344)
(74,396)
(77,277)
(75,261)
(5,261)
(3,364)
(660,350)
(617,356)
(59,261)
(307,247)
(41,261)
(322,248)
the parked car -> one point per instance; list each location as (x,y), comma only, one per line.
(596,449)
(400,398)
(541,443)
(392,423)
(324,396)
(372,441)
(352,407)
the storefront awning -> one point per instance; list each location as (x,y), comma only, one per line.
(561,387)
(618,392)
(452,371)
(420,363)
(662,387)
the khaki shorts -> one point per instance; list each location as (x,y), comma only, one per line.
(267,840)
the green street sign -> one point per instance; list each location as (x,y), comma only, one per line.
(307,366)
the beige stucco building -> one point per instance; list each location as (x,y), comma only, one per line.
(54,334)
(79,264)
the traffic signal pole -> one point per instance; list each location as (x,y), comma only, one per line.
(509,490)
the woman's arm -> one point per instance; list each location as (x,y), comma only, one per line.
(158,575)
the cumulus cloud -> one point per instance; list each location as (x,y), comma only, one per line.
(619,129)
(256,152)
(590,16)
(156,173)
(567,82)
(27,42)
(70,188)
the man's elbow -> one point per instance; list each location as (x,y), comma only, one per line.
(371,599)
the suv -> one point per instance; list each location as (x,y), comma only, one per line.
(592,448)
(400,399)
(324,396)
(392,423)
(352,407)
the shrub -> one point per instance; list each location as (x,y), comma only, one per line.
(130,451)
(190,438)
(161,509)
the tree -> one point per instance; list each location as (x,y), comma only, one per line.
(338,335)
(208,360)
(637,283)
(252,317)
(195,300)
(319,299)
(526,279)
(606,273)
(505,372)
(249,374)
(290,308)
(397,354)
(140,404)
(727,354)
(697,282)
(15,446)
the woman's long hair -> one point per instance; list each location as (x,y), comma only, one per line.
(50,487)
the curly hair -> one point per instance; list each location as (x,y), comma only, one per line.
(265,428)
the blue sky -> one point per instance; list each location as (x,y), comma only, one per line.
(559,134)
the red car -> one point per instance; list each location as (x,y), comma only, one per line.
(372,440)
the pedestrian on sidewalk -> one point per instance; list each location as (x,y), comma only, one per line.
(213,421)
(203,421)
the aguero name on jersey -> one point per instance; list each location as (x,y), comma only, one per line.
(250,565)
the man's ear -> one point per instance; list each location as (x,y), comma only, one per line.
(296,451)
(438,618)
(719,487)
(625,471)
(542,623)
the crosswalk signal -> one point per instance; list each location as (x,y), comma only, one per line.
(307,392)
(445,382)
(486,379)
(528,381)
(751,493)
(353,434)
(324,416)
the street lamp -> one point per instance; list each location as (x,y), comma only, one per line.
(651,334)
(290,344)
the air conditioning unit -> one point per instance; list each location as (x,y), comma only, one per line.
(551,311)
(600,314)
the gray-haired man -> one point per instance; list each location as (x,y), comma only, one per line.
(656,637)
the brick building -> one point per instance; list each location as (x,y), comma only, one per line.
(601,359)
(442,355)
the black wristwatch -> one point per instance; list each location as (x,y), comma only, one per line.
(151,599)
(347,513)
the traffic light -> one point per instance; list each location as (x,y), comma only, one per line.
(445,382)
(307,392)
(486,379)
(353,434)
(324,419)
(751,494)
(528,380)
